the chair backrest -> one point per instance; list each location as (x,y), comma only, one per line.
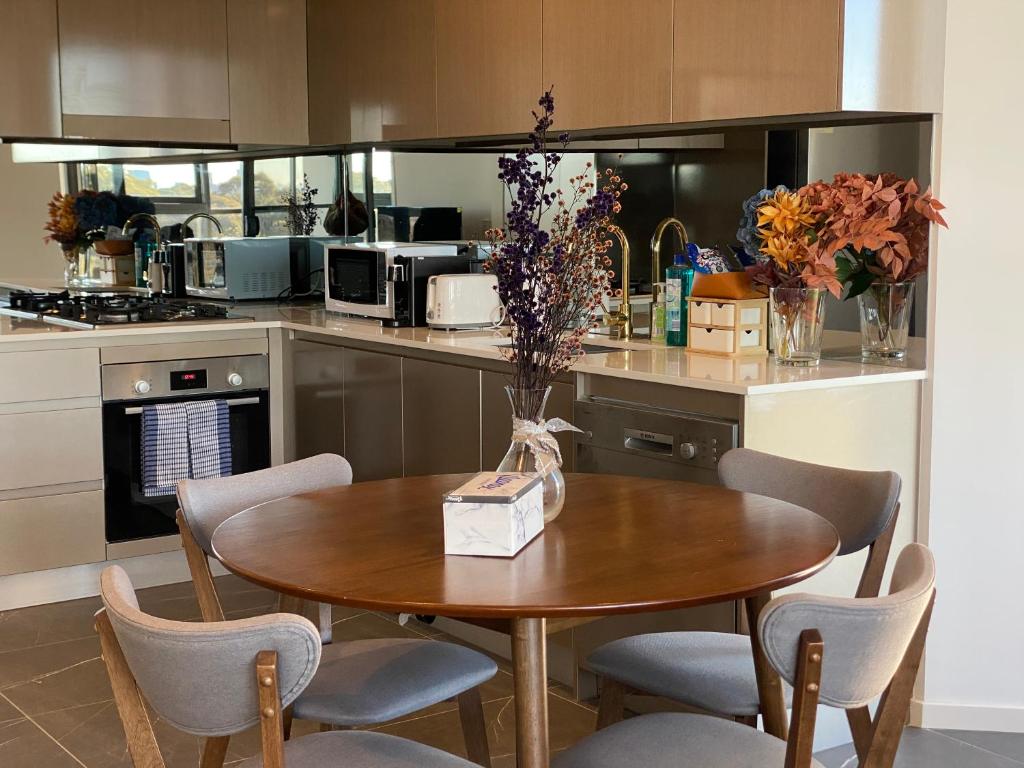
(865,639)
(200,677)
(859,504)
(208,503)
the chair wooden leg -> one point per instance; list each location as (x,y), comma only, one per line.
(271,730)
(286,721)
(613,702)
(747,720)
(326,727)
(474,727)
(769,684)
(202,577)
(861,729)
(215,749)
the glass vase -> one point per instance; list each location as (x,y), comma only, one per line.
(71,271)
(798,317)
(528,407)
(885,312)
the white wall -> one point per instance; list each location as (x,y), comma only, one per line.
(974,664)
(24,191)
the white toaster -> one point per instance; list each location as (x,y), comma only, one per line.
(463,301)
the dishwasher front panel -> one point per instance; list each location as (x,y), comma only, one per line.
(618,438)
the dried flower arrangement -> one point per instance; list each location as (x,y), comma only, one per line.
(76,220)
(551,281)
(302,213)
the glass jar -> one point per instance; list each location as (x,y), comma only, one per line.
(885,312)
(71,267)
(522,455)
(797,317)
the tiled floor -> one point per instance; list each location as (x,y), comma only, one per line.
(56,709)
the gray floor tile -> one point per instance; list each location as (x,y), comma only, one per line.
(1009,745)
(925,749)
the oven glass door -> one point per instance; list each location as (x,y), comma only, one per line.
(131,515)
(357,276)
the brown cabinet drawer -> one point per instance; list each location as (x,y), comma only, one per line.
(51,532)
(49,375)
(29,459)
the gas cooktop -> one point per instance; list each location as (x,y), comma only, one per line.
(100,310)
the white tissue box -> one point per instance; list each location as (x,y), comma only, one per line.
(494,514)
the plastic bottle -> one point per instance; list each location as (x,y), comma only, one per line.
(658,313)
(678,283)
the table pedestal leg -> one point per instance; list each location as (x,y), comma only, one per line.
(530,673)
(769,684)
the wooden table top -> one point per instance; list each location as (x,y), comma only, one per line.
(620,545)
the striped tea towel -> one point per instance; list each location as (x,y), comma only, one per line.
(184,440)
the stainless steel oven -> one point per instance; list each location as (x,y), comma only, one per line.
(242,381)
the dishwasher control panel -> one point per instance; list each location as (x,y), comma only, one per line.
(683,438)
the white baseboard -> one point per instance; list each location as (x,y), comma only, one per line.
(966,717)
(40,587)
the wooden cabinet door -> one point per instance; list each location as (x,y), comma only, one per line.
(441,406)
(161,66)
(361,90)
(610,62)
(29,72)
(735,58)
(489,74)
(496,416)
(267,71)
(373,414)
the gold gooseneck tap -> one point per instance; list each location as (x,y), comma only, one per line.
(622,319)
(193,217)
(656,272)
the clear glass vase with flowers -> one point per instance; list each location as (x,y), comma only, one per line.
(778,232)
(553,273)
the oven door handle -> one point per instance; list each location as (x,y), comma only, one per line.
(231,404)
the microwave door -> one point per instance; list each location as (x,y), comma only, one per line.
(357,283)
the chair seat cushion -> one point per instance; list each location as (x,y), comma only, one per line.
(709,670)
(361,749)
(671,740)
(365,682)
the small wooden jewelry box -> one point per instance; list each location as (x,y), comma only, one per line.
(731,327)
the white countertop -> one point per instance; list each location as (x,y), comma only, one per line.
(638,360)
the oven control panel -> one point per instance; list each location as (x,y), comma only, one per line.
(186,378)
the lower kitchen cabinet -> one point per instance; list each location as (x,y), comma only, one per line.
(442,417)
(318,375)
(43,532)
(496,414)
(372,414)
(77,430)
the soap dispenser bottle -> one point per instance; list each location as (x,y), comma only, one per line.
(678,283)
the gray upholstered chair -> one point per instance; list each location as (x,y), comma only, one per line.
(840,652)
(216,679)
(714,671)
(359,683)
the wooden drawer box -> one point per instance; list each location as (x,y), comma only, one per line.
(43,532)
(31,459)
(732,327)
(50,375)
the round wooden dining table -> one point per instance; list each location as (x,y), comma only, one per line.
(621,545)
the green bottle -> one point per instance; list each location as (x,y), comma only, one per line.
(678,284)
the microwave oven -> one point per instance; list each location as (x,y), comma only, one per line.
(386,281)
(245,268)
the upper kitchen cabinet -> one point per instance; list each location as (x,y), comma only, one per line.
(148,70)
(610,62)
(29,69)
(487,83)
(360,90)
(267,71)
(737,59)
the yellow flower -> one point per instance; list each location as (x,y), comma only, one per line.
(784,213)
(785,250)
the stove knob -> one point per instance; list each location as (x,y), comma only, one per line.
(235,379)
(141,387)
(687,450)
